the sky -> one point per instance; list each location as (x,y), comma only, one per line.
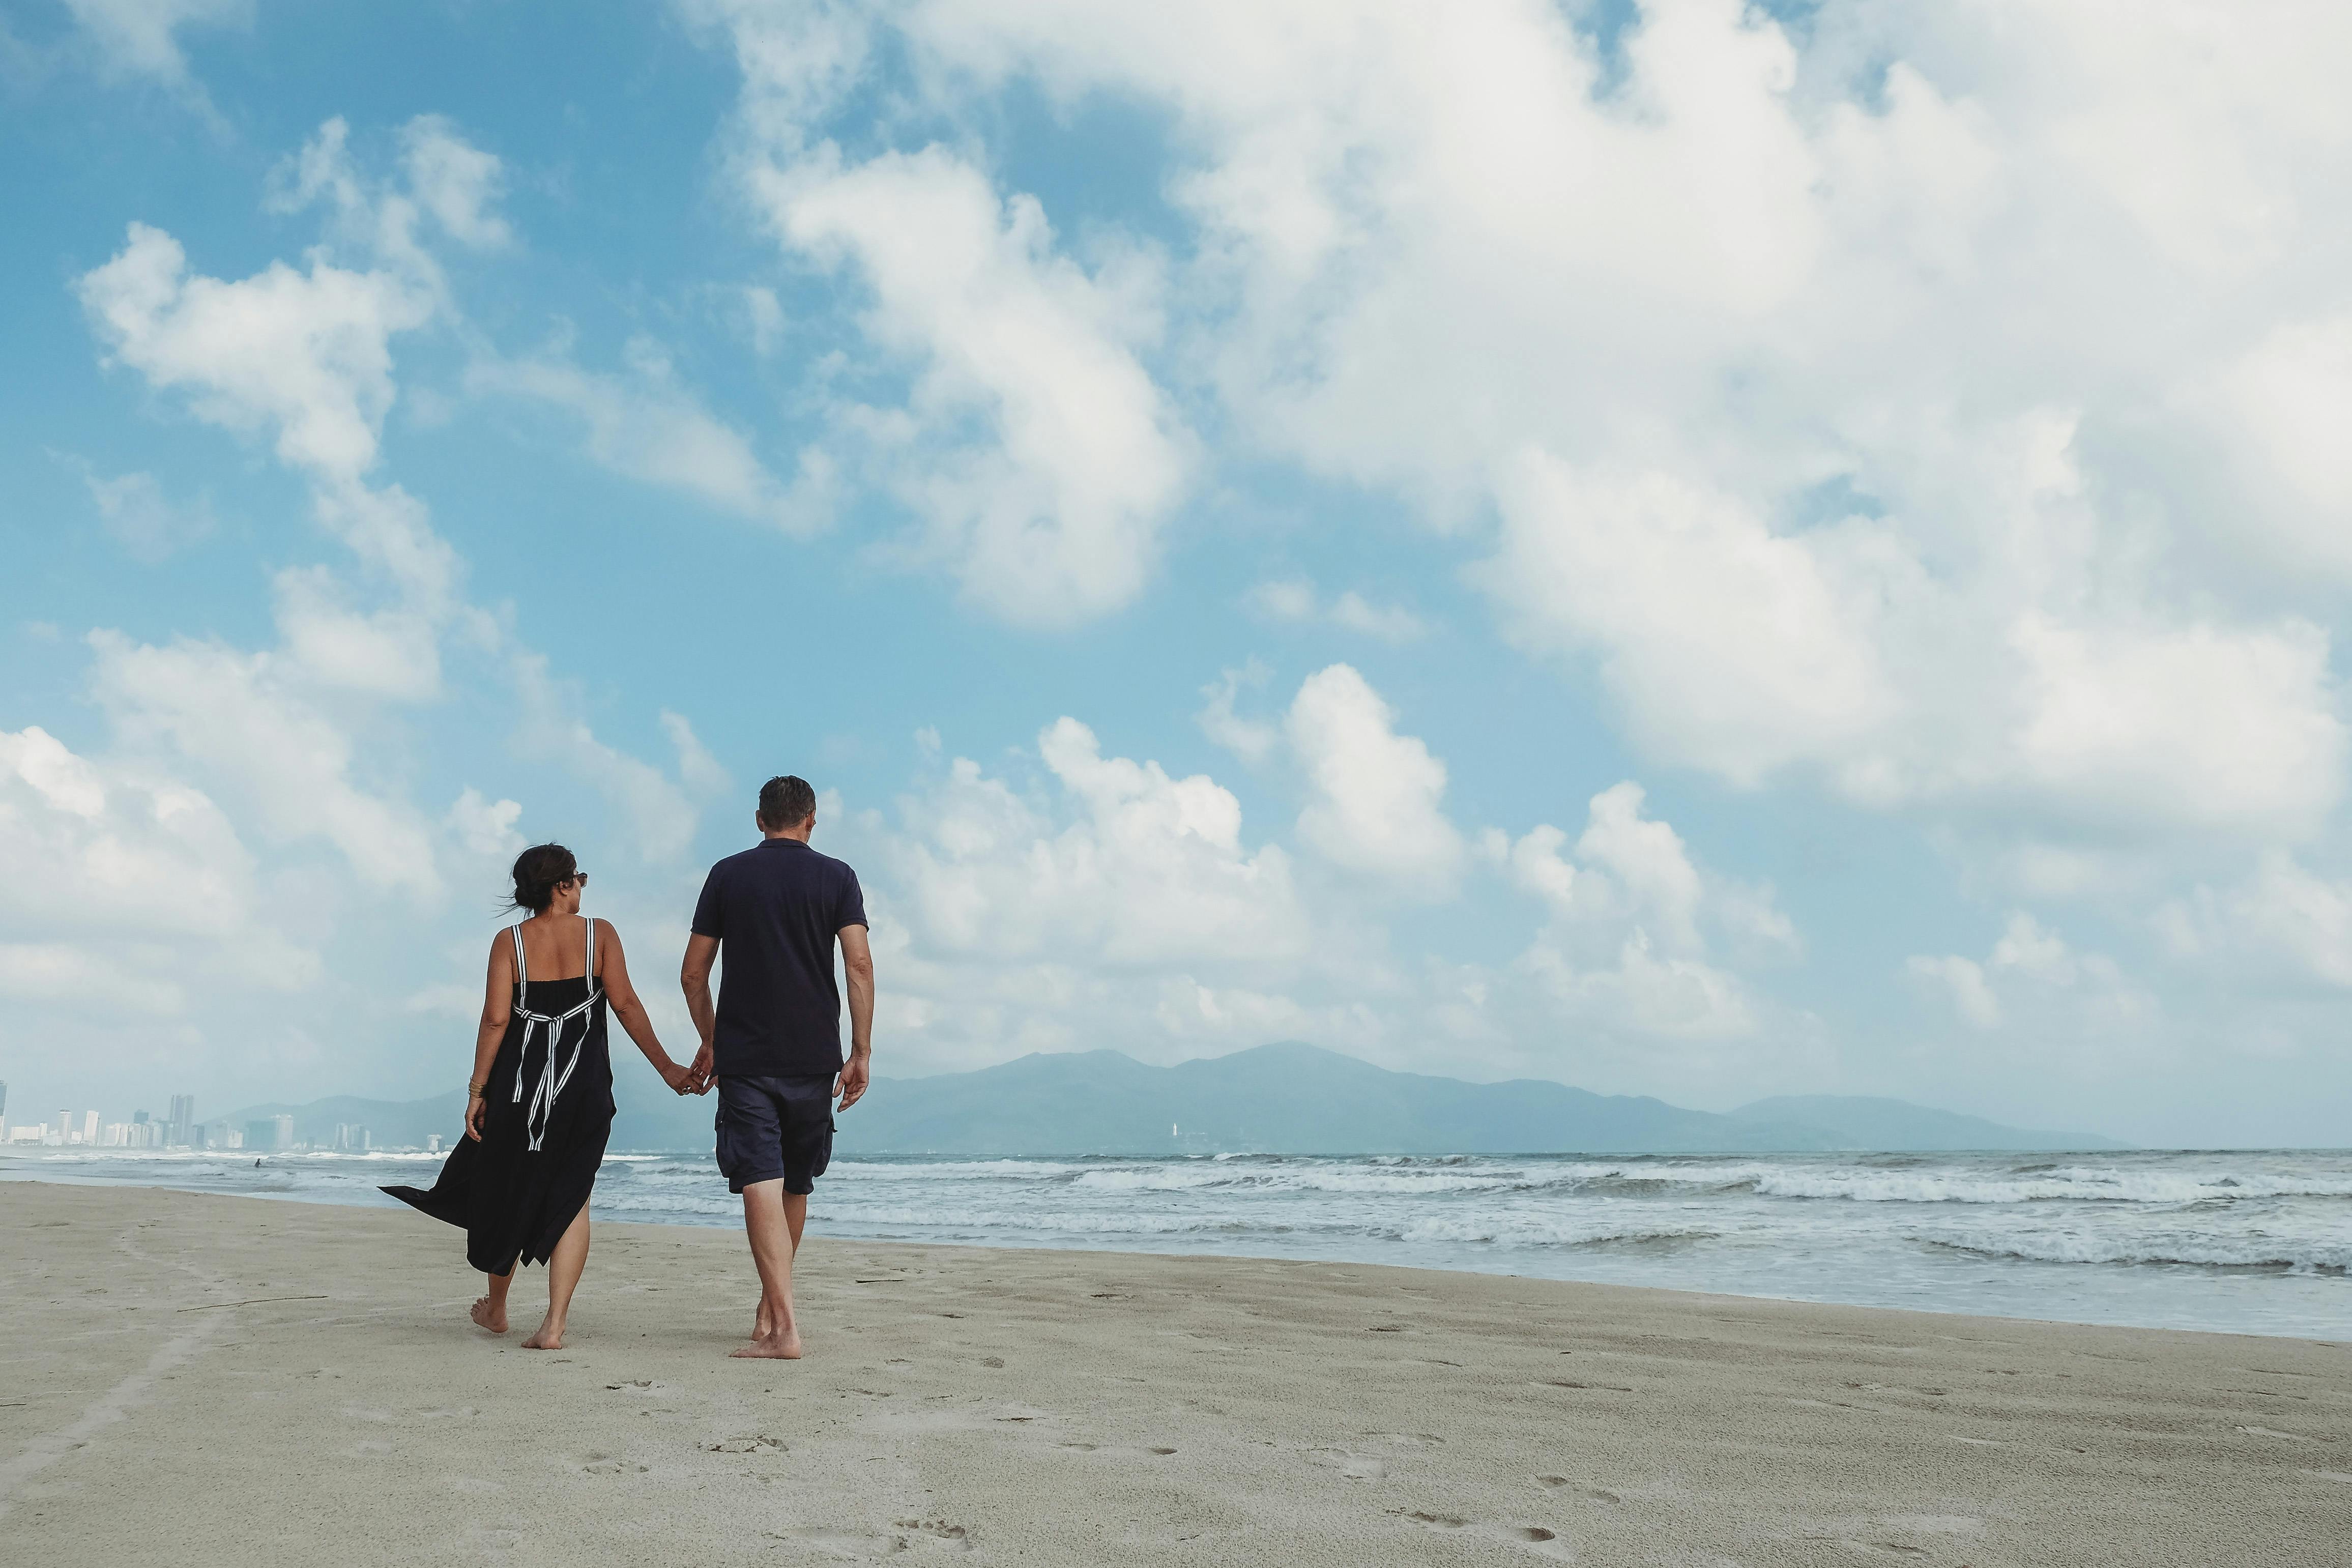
(1679,547)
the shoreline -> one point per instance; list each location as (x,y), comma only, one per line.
(303,1373)
(1943,1258)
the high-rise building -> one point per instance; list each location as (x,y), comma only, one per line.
(89,1126)
(283,1137)
(184,1119)
(65,1126)
(4,1102)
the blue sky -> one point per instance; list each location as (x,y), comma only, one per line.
(1679,549)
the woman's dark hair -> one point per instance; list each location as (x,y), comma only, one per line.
(536,871)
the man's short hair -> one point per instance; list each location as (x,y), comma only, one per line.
(785,801)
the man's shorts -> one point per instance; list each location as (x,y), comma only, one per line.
(775,1127)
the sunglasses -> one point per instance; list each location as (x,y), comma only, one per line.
(577,879)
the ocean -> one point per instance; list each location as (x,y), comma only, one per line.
(2244,1242)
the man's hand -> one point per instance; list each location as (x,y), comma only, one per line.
(705,1060)
(854,1074)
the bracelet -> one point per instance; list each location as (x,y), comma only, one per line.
(475,1091)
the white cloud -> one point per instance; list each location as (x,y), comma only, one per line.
(659,811)
(445,182)
(1375,797)
(1291,599)
(143,519)
(1662,999)
(1635,924)
(393,653)
(1296,601)
(486,828)
(141,38)
(122,881)
(2057,996)
(1724,644)
(240,718)
(1252,739)
(456,182)
(2048,309)
(698,770)
(306,358)
(765,316)
(2191,725)
(2031,949)
(304,355)
(1035,445)
(1119,865)
(1630,871)
(648,427)
(1647,859)
(238,787)
(1963,979)
(2284,921)
(2284,406)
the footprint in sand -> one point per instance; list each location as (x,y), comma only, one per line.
(597,1463)
(495,1541)
(1577,1489)
(1355,1466)
(761,1445)
(1114,1451)
(932,1536)
(1534,1537)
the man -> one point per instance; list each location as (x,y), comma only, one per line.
(773,1043)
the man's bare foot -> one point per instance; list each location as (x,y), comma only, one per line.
(786,1346)
(487,1313)
(546,1338)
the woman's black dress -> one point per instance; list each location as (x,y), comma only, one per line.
(517,1189)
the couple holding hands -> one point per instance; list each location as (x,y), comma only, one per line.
(539,1105)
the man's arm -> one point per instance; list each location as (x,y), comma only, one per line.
(694,976)
(858,963)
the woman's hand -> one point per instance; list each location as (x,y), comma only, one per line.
(475,1104)
(679,1077)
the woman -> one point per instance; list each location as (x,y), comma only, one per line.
(539,1105)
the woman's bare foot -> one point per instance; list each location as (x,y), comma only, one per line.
(786,1346)
(489,1314)
(550,1337)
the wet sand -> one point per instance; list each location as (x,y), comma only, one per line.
(204,1380)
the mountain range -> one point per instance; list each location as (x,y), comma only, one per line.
(1287,1099)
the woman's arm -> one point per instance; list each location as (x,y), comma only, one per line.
(498,1007)
(613,965)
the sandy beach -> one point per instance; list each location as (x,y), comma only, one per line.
(218,1379)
